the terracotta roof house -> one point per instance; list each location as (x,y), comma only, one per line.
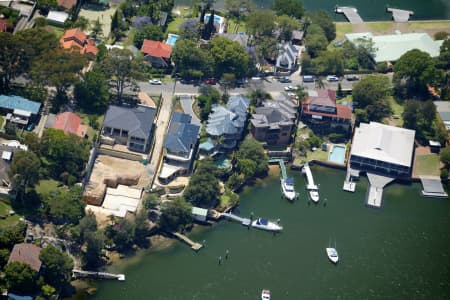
(27,254)
(321,112)
(78,40)
(67,4)
(273,122)
(70,123)
(132,127)
(157,53)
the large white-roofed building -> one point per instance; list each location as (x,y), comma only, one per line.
(382,149)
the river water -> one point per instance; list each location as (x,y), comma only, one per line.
(398,252)
(369,10)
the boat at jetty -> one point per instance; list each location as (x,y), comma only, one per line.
(265,295)
(288,189)
(311,187)
(265,224)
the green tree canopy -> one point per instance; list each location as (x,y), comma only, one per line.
(443,61)
(92,257)
(292,8)
(261,23)
(203,189)
(186,55)
(412,72)
(315,40)
(64,205)
(229,57)
(370,95)
(445,155)
(20,278)
(323,19)
(58,266)
(24,169)
(421,117)
(175,215)
(237,9)
(251,157)
(149,32)
(91,92)
(286,25)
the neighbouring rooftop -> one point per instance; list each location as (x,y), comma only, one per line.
(19,103)
(138,121)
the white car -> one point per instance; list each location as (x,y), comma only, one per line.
(290,88)
(155,81)
(331,78)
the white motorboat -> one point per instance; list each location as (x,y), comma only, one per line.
(311,187)
(314,195)
(332,255)
(265,224)
(265,295)
(287,186)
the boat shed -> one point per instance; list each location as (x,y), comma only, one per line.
(199,214)
(432,187)
(57,17)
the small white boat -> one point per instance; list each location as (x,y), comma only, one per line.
(265,224)
(311,187)
(287,186)
(332,255)
(265,295)
(314,195)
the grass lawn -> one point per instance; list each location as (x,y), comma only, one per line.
(174,26)
(397,110)
(104,16)
(341,29)
(130,37)
(177,106)
(57,30)
(85,121)
(45,186)
(427,165)
(5,219)
(1,122)
(381,27)
(443,25)
(234,27)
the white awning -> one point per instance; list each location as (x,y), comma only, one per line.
(6,155)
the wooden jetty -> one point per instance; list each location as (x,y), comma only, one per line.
(194,246)
(400,15)
(92,274)
(243,221)
(350,13)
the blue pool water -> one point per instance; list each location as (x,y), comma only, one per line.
(337,154)
(222,162)
(217,19)
(172,39)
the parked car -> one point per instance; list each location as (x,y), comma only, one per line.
(331,78)
(308,78)
(155,81)
(256,78)
(352,77)
(241,82)
(285,80)
(210,81)
(290,88)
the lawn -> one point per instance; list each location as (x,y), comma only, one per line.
(174,26)
(397,110)
(427,165)
(91,131)
(1,122)
(443,25)
(341,29)
(5,219)
(381,27)
(104,16)
(45,186)
(234,27)
(58,31)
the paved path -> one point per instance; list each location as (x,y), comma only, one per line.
(186,102)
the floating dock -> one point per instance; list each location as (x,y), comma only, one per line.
(243,221)
(350,13)
(309,178)
(194,246)
(349,185)
(400,15)
(374,196)
(432,187)
(101,275)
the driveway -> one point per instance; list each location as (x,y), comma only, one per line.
(186,102)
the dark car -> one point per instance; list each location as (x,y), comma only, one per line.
(285,80)
(211,81)
(352,77)
(308,78)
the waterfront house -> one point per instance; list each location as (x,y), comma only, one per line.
(287,58)
(273,121)
(382,149)
(27,254)
(179,147)
(322,114)
(199,214)
(132,127)
(226,124)
(157,53)
(77,40)
(68,122)
(19,112)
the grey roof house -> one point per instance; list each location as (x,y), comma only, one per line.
(287,58)
(240,37)
(132,127)
(228,122)
(273,122)
(179,146)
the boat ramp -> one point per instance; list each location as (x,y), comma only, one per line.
(92,274)
(350,13)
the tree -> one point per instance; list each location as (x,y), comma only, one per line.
(96,29)
(12,59)
(286,25)
(175,215)
(315,40)
(443,60)
(228,81)
(65,206)
(91,93)
(328,62)
(142,229)
(122,234)
(24,170)
(209,28)
(58,266)
(323,19)
(46,5)
(81,22)
(421,117)
(92,258)
(413,71)
(251,157)
(187,56)
(11,235)
(441,35)
(118,25)
(292,8)
(266,48)
(59,68)
(149,32)
(151,201)
(229,57)
(261,23)
(118,65)
(203,188)
(370,94)
(238,9)
(445,155)
(87,225)
(20,278)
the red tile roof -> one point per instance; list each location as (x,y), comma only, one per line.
(156,49)
(342,111)
(67,4)
(70,123)
(27,254)
(75,38)
(323,98)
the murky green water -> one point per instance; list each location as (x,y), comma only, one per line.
(398,252)
(370,10)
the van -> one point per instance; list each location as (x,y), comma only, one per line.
(308,78)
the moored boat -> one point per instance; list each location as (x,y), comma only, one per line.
(287,186)
(265,295)
(265,224)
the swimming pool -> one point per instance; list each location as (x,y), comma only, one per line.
(172,39)
(222,162)
(337,154)
(217,19)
